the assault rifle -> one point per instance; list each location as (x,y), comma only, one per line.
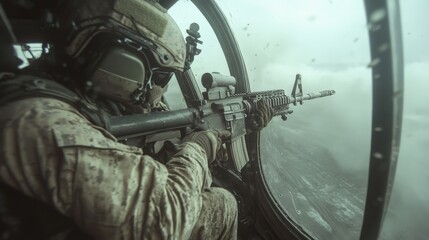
(220,109)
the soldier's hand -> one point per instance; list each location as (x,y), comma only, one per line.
(262,115)
(210,141)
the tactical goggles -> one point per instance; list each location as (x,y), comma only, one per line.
(155,74)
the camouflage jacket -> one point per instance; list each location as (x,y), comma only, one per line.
(51,152)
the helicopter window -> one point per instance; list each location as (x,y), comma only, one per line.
(317,168)
(173,95)
(29,52)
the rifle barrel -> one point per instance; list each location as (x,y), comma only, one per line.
(310,96)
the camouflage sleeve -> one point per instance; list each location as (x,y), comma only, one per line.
(110,190)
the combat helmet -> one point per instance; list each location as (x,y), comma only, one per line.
(121,47)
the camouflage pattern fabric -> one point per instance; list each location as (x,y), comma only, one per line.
(50,152)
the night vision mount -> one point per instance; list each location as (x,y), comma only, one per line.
(191,44)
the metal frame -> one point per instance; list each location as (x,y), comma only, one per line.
(387,72)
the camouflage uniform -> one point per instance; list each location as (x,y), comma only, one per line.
(51,152)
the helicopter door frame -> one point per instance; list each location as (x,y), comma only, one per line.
(384,27)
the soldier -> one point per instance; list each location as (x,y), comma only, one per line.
(103,56)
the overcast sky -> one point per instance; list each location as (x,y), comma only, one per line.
(327,42)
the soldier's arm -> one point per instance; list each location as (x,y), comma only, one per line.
(110,190)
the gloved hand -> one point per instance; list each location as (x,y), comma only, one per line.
(168,150)
(262,115)
(210,141)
